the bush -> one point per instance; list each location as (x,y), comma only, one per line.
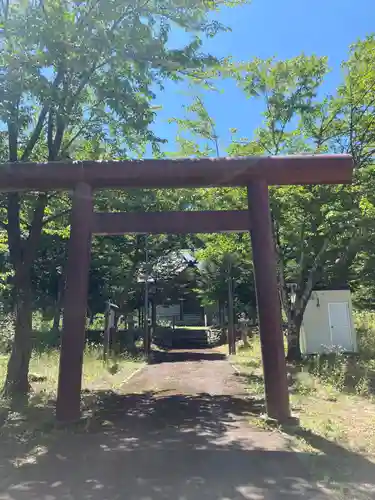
(98,322)
(364,322)
(331,369)
(44,340)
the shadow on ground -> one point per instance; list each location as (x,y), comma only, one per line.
(175,356)
(155,446)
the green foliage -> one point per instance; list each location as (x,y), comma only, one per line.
(77,80)
(289,88)
(215,251)
(197,123)
(323,234)
(213,280)
(85,65)
(318,230)
(364,322)
(357,99)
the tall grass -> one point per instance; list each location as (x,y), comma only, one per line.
(332,395)
(97,375)
(44,364)
(365,326)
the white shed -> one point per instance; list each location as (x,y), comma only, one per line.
(328,323)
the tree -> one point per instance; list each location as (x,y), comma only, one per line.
(315,227)
(318,230)
(77,77)
(197,137)
(357,102)
(357,121)
(212,282)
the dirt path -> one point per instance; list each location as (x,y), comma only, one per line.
(178,431)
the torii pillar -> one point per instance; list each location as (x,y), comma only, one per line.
(75,306)
(268,302)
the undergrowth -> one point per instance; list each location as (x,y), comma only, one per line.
(332,395)
(44,368)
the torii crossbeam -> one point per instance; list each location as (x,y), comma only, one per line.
(256,173)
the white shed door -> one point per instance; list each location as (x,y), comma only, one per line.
(339,323)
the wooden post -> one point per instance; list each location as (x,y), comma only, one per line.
(269,312)
(107,332)
(231,332)
(75,305)
(146,339)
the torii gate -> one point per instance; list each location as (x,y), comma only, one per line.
(255,173)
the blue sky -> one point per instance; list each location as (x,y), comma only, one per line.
(265,28)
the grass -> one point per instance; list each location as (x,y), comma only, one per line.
(336,413)
(27,428)
(332,396)
(44,368)
(18,418)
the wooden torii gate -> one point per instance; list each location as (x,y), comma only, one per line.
(255,173)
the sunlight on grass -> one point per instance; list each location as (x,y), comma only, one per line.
(320,399)
(249,366)
(97,375)
(35,417)
(3,367)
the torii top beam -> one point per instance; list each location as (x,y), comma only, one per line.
(181,173)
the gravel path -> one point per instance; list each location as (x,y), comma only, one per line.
(177,431)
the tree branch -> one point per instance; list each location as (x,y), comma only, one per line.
(36,134)
(60,128)
(50,134)
(40,122)
(82,20)
(304,298)
(5,8)
(280,269)
(53,217)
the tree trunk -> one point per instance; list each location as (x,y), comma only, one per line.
(153,315)
(22,254)
(17,383)
(56,318)
(294,353)
(22,251)
(221,315)
(59,299)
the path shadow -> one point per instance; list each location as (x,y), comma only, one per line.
(186,355)
(353,472)
(158,447)
(182,345)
